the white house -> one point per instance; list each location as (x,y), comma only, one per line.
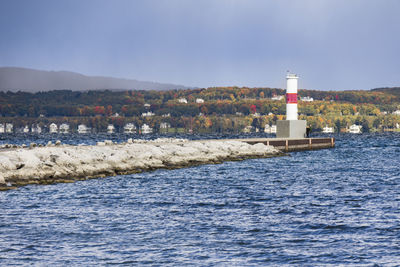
(270,129)
(248,129)
(165,125)
(25,129)
(327,129)
(199,100)
(129,128)
(277,97)
(307,99)
(110,129)
(64,128)
(53,128)
(354,129)
(146,105)
(2,129)
(9,127)
(36,129)
(146,129)
(182,100)
(148,114)
(83,129)
(397,112)
(166,115)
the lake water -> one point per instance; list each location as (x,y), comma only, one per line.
(327,207)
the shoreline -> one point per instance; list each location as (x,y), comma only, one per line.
(66,163)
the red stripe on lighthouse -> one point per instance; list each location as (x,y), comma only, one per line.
(291,98)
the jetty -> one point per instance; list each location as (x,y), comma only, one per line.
(57,163)
(67,163)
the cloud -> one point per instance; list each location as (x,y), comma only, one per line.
(330,43)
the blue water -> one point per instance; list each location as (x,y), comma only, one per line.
(327,207)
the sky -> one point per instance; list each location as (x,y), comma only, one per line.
(330,44)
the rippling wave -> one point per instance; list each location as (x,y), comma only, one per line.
(327,207)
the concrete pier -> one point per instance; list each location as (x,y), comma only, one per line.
(290,144)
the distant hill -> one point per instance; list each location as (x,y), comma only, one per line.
(30,80)
(389,90)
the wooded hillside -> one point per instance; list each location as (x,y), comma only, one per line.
(235,107)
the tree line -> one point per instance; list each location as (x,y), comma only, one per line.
(223,109)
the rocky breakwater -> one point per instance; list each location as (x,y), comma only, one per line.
(66,163)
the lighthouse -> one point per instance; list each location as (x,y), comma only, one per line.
(291,127)
(291,96)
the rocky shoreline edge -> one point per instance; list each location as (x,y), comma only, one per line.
(57,163)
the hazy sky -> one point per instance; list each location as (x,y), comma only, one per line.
(330,44)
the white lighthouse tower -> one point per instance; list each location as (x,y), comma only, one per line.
(291,127)
(291,96)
